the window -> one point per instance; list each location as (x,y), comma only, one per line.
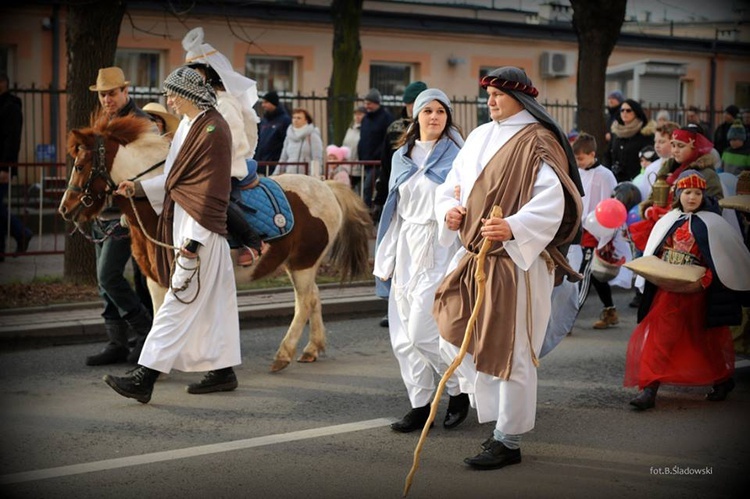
(391,79)
(483,111)
(142,70)
(272,73)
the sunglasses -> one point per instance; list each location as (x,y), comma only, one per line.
(626,110)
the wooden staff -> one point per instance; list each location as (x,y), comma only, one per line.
(480,278)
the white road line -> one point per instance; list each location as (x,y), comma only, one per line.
(155,457)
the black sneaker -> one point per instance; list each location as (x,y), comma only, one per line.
(215,381)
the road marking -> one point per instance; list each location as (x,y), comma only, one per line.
(155,457)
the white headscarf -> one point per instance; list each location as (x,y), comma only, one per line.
(240,86)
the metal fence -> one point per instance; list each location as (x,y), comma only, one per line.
(42,172)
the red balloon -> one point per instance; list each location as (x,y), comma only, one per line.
(611,213)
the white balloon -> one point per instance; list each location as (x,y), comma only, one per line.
(591,224)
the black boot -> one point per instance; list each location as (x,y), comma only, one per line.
(221,380)
(647,398)
(720,391)
(636,301)
(116,350)
(494,456)
(414,420)
(458,409)
(140,322)
(138,385)
(240,229)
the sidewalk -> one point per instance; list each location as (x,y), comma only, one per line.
(82,322)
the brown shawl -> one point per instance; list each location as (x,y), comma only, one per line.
(507,181)
(199,181)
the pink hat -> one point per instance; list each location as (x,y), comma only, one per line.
(341,153)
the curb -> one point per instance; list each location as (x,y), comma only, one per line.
(82,323)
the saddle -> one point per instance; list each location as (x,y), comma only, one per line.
(266,209)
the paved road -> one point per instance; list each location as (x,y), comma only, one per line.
(320,430)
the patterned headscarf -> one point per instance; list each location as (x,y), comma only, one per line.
(189,84)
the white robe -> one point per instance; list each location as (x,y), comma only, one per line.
(203,335)
(410,253)
(512,403)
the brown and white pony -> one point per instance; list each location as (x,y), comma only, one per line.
(329,220)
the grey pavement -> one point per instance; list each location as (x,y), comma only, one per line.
(82,322)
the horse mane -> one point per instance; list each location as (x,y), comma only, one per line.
(122,130)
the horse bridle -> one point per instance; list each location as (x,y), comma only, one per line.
(98,170)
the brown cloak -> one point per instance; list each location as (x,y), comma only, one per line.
(199,181)
(507,181)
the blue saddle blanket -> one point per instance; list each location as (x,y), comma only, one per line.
(267,209)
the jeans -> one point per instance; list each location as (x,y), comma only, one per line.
(17,229)
(112,255)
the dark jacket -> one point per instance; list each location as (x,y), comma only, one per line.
(11,124)
(392,135)
(372,134)
(623,153)
(720,137)
(271,135)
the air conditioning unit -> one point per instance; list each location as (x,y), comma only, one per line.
(556,64)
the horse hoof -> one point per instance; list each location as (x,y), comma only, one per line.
(278,365)
(307,358)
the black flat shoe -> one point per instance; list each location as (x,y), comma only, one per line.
(110,355)
(494,456)
(645,400)
(458,409)
(720,391)
(414,420)
(222,380)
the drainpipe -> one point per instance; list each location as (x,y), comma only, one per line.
(712,87)
(54,95)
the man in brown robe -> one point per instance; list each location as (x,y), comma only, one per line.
(520,161)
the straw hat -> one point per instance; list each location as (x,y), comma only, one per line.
(741,201)
(171,121)
(108,79)
(668,276)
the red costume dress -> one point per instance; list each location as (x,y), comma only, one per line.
(671,344)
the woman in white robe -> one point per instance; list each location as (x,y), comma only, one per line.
(409,258)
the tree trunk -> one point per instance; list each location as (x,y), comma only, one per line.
(347,56)
(91,36)
(597,25)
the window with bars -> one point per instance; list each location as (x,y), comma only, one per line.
(272,73)
(143,70)
(391,79)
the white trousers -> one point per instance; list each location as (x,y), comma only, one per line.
(511,403)
(415,341)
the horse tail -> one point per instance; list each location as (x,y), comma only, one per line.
(350,252)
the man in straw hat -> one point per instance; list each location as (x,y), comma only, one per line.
(520,161)
(125,309)
(197,326)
